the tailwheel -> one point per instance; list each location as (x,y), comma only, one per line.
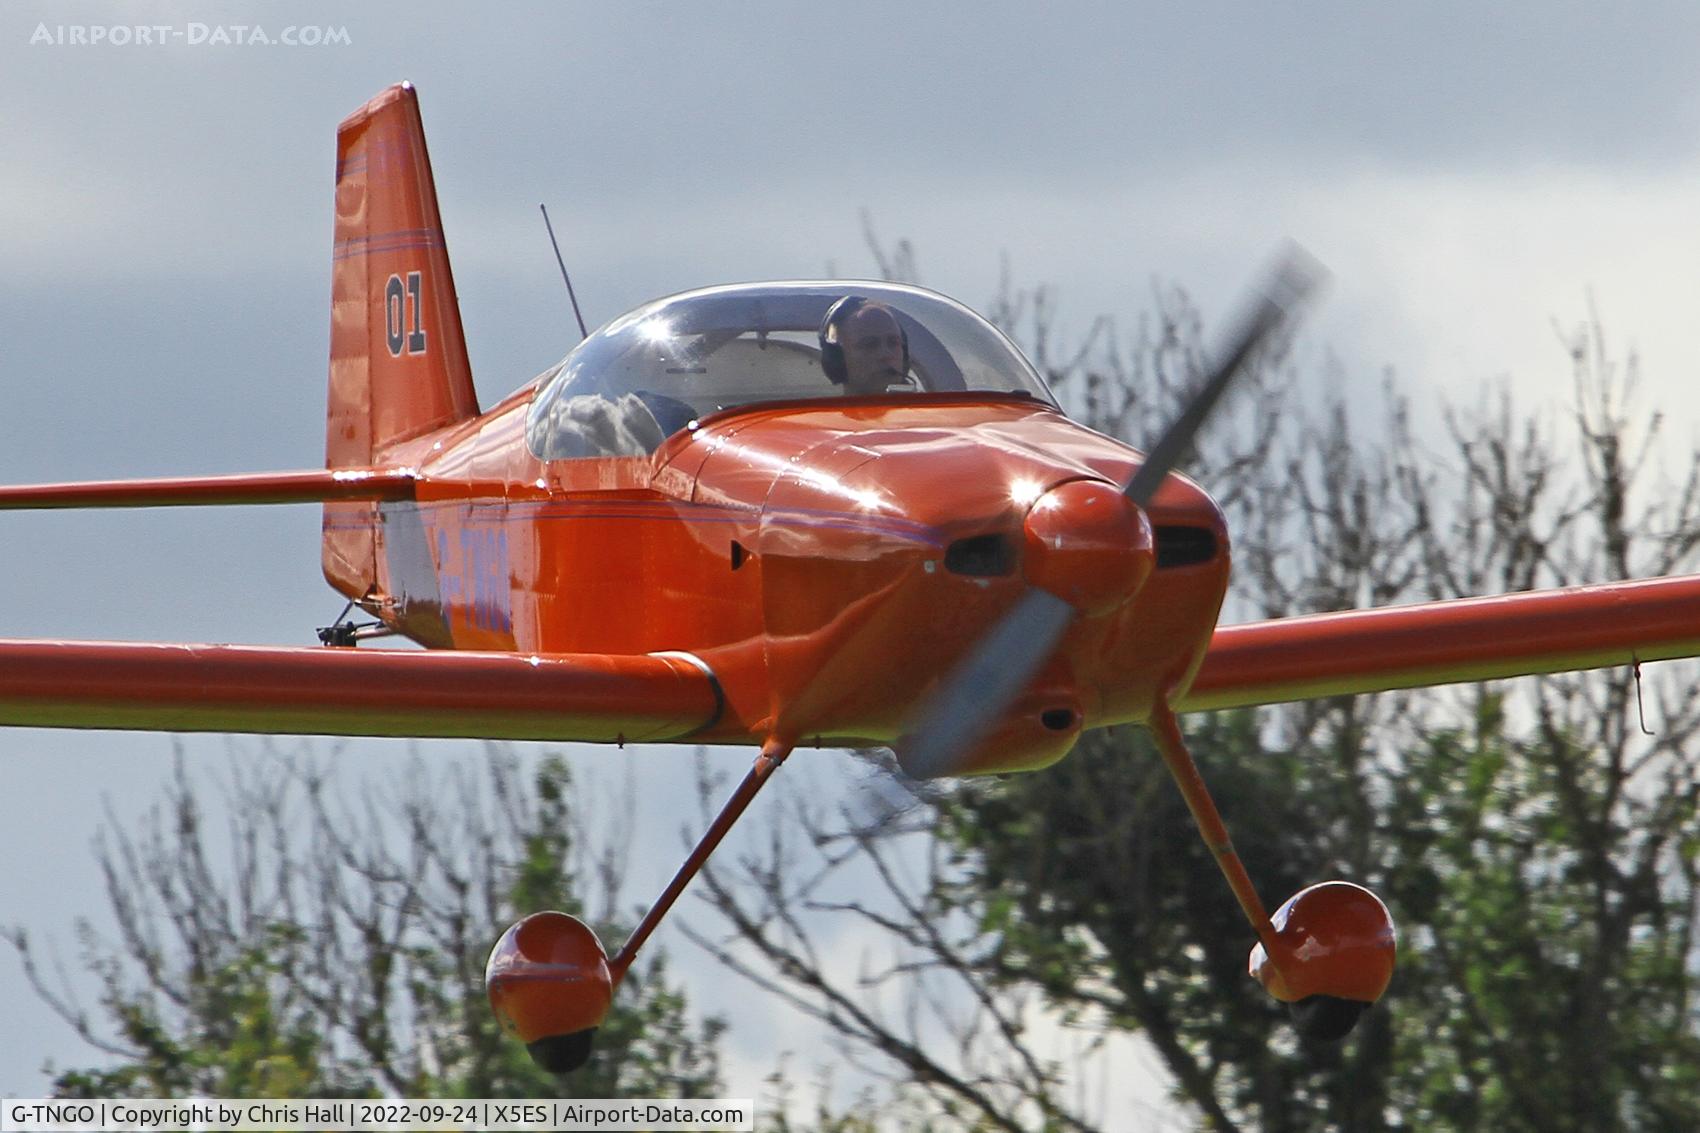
(550,987)
(1334,947)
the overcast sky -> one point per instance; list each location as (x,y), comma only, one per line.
(1468,176)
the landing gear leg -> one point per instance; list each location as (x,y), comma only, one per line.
(550,982)
(1328,952)
(772,755)
(1211,828)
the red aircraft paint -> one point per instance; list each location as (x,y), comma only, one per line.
(685,533)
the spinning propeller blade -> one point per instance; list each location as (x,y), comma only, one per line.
(984,683)
(1294,278)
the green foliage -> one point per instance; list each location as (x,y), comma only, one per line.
(1551,989)
(1541,985)
(1111,903)
(327,965)
(1541,856)
(253,1037)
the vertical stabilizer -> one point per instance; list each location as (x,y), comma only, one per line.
(398,357)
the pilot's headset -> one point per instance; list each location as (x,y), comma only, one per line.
(832,350)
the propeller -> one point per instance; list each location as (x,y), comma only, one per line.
(975,694)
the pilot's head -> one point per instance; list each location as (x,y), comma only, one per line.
(863,347)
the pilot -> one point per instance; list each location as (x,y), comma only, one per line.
(864,348)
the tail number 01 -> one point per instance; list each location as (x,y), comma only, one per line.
(401,301)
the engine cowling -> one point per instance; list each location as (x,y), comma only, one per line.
(1037,730)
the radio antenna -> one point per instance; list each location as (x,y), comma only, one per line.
(582,333)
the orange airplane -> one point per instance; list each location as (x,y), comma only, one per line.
(818,513)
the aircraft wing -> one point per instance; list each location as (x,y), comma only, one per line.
(313,485)
(332,691)
(362,692)
(1469,639)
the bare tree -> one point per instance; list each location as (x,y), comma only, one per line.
(1539,848)
(322,941)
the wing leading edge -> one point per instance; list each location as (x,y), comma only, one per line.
(311,486)
(1469,639)
(365,692)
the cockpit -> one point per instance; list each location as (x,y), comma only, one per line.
(662,367)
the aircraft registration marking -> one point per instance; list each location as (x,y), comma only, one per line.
(472,568)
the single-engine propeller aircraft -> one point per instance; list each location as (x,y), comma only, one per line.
(708,525)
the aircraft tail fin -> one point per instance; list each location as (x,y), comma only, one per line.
(398,366)
(398,356)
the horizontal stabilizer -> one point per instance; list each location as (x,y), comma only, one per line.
(1468,639)
(312,486)
(357,692)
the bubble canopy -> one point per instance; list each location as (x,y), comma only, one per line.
(653,371)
